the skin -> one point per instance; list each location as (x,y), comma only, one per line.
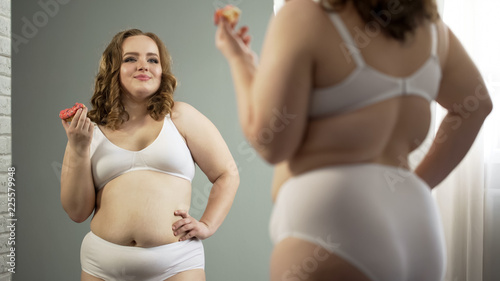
(147,208)
(301,52)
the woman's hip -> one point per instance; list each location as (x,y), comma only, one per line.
(110,261)
(362,211)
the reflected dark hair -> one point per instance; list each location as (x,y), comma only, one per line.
(400,17)
(107,106)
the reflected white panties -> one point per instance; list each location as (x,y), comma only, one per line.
(381,219)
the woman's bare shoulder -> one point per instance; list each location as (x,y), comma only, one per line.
(308,4)
(297,28)
(443,40)
(181,109)
(185,116)
(303,10)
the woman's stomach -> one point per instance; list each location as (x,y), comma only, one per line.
(137,208)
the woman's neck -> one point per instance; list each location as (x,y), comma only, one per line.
(137,110)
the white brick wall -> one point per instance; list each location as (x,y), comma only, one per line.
(5,130)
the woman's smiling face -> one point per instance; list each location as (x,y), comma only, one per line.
(140,71)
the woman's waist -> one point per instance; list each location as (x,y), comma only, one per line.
(360,184)
(143,192)
(102,244)
(376,176)
(142,229)
(393,164)
(304,164)
(138,218)
(331,159)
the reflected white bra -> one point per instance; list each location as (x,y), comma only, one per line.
(278,4)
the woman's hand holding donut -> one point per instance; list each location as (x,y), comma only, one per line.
(190,227)
(79,131)
(232,43)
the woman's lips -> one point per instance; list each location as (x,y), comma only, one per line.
(142,77)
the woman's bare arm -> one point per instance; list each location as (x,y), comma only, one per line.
(273,96)
(77,187)
(463,93)
(212,155)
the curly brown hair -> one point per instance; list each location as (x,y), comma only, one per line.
(107,106)
(401,17)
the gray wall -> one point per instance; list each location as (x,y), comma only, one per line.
(55,53)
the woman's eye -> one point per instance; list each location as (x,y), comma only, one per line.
(154,60)
(129,59)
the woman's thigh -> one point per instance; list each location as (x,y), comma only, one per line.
(189,275)
(294,259)
(87,277)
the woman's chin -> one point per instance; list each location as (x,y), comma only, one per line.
(139,94)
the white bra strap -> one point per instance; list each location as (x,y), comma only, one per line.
(348,40)
(434,39)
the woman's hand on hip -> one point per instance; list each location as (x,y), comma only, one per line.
(190,227)
(79,131)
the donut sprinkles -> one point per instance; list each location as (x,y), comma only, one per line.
(68,113)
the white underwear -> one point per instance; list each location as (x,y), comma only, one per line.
(381,219)
(113,262)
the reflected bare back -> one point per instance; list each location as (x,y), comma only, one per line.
(384,132)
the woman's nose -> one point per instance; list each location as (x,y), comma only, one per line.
(142,65)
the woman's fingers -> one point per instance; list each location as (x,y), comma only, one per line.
(242,31)
(186,219)
(188,235)
(224,33)
(180,223)
(74,122)
(232,42)
(65,124)
(81,117)
(188,227)
(185,228)
(222,25)
(80,129)
(87,126)
(80,121)
(247,40)
(182,213)
(91,127)
(229,30)
(242,34)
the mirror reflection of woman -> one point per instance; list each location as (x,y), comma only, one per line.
(340,97)
(131,159)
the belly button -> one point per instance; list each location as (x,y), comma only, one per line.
(133,243)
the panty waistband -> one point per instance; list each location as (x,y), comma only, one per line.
(170,246)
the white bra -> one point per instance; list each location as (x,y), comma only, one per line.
(167,154)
